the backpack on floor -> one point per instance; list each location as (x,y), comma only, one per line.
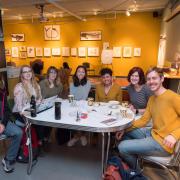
(118,170)
(23,155)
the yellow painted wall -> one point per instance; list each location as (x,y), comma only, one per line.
(138,30)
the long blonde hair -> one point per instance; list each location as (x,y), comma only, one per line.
(33,83)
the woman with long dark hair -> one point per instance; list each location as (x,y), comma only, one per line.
(80,88)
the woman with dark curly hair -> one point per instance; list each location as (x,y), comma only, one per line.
(139,93)
(108,90)
(80,88)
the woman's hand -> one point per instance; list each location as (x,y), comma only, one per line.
(132,108)
(119,135)
(1,128)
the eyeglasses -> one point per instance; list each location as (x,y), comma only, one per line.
(53,72)
(24,72)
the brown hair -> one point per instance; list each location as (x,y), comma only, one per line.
(57,80)
(33,82)
(140,73)
(157,70)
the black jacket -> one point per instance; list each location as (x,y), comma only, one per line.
(7,114)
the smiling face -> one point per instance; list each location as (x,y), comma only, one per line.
(134,78)
(154,81)
(80,73)
(107,79)
(52,75)
(26,74)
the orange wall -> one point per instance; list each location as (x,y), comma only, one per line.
(138,30)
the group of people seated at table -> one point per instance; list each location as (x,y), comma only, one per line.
(147,95)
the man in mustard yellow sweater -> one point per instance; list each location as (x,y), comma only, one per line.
(164,110)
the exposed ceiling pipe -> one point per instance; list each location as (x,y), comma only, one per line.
(65,10)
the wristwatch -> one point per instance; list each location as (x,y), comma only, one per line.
(137,111)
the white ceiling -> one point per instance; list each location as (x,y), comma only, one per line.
(13,9)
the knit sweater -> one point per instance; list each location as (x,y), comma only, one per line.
(115,93)
(165,113)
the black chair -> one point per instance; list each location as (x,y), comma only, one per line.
(89,70)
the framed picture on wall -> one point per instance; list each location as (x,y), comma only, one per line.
(22,48)
(117,52)
(137,52)
(73,51)
(23,54)
(30,52)
(17,37)
(65,51)
(90,35)
(47,52)
(127,51)
(56,51)
(82,51)
(93,51)
(8,51)
(52,32)
(39,52)
(15,52)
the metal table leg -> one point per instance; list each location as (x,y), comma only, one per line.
(29,143)
(107,150)
(102,153)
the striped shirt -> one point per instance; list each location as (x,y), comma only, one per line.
(139,99)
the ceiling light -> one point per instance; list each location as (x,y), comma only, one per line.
(84,19)
(128,13)
(20,17)
(2,12)
(95,13)
(54,15)
(61,15)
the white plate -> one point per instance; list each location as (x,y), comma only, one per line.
(113,102)
(103,104)
(114,106)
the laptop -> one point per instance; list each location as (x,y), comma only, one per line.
(46,104)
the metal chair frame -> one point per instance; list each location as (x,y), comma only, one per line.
(167,163)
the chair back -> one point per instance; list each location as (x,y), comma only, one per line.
(175,156)
(86,65)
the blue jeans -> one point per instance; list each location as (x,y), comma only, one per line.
(15,133)
(139,142)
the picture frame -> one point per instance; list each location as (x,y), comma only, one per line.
(52,32)
(39,52)
(93,51)
(56,51)
(82,51)
(8,51)
(137,52)
(23,54)
(47,52)
(90,35)
(117,52)
(17,37)
(73,51)
(30,52)
(127,51)
(65,51)
(22,48)
(15,52)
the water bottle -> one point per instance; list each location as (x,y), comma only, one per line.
(33,106)
(57,110)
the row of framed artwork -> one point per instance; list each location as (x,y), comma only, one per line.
(31,52)
(52,33)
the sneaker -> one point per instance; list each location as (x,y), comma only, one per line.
(83,140)
(6,166)
(72,141)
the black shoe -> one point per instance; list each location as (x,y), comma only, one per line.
(7,166)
